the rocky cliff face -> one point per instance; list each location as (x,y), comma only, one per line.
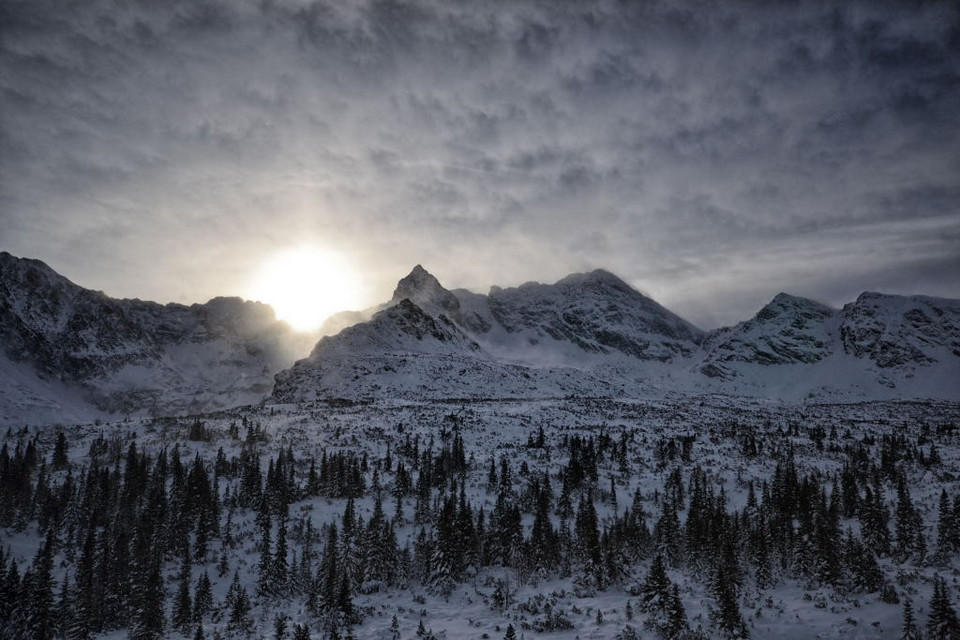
(597,312)
(898,331)
(788,330)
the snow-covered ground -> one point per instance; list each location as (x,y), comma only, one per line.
(821,437)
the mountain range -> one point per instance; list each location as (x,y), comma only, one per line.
(593,335)
(68,352)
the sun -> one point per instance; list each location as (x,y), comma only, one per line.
(306,285)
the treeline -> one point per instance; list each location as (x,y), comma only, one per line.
(125,521)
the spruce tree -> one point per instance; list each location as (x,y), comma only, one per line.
(148,621)
(726,616)
(874,518)
(588,543)
(910,539)
(329,572)
(909,631)
(202,597)
(240,611)
(656,587)
(265,568)
(63,614)
(301,632)
(947,530)
(60,459)
(676,614)
(863,572)
(85,604)
(39,594)
(280,627)
(345,602)
(942,623)
(182,603)
(279,569)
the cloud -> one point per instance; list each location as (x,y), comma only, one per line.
(712,154)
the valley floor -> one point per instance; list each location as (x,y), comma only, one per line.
(458,519)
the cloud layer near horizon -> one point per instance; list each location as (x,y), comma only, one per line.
(712,154)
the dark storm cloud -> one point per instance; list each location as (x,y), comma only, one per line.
(712,154)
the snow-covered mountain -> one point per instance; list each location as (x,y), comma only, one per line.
(528,341)
(592,334)
(67,352)
(788,330)
(897,331)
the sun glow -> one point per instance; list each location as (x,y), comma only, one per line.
(307,285)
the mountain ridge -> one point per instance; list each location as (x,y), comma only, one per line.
(593,334)
(588,334)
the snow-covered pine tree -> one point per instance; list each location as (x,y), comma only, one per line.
(280,627)
(910,539)
(874,520)
(202,597)
(148,617)
(240,613)
(441,580)
(676,615)
(279,571)
(909,630)
(63,610)
(862,571)
(329,573)
(182,603)
(948,533)
(726,616)
(587,544)
(656,588)
(265,586)
(942,623)
(301,632)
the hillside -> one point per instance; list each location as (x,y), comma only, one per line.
(69,352)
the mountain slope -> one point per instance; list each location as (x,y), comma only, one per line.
(788,330)
(130,355)
(597,312)
(403,352)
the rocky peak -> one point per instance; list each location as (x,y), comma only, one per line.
(787,330)
(403,327)
(598,278)
(425,291)
(796,307)
(897,330)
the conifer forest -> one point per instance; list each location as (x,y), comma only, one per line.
(573,518)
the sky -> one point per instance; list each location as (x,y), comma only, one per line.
(712,154)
